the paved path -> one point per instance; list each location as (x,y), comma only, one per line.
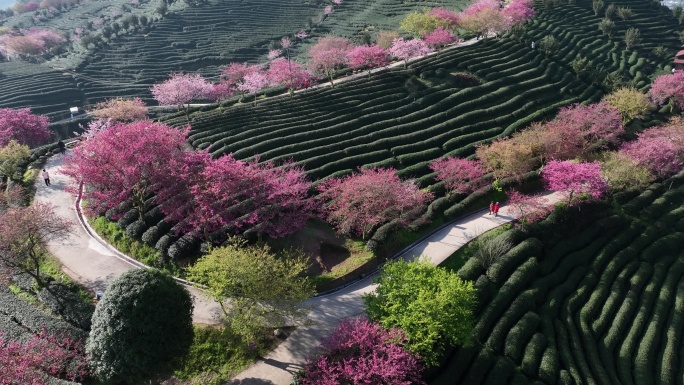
(279,365)
(84,258)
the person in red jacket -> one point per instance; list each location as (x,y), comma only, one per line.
(496,209)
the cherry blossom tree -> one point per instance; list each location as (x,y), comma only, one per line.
(212,194)
(32,42)
(23,126)
(362,352)
(506,158)
(577,181)
(483,17)
(439,38)
(328,55)
(126,162)
(518,12)
(448,18)
(120,109)
(406,49)
(301,35)
(274,54)
(220,91)
(528,208)
(358,203)
(367,57)
(668,88)
(24,234)
(589,128)
(460,176)
(30,361)
(253,83)
(289,74)
(180,89)
(659,149)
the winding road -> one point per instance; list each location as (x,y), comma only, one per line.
(94,264)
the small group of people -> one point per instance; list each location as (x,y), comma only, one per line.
(494,208)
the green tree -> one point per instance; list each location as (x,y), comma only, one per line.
(632,38)
(623,174)
(549,45)
(141,327)
(419,24)
(434,306)
(582,66)
(12,156)
(597,5)
(263,289)
(624,13)
(630,102)
(606,26)
(610,11)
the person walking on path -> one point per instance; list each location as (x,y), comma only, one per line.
(491,207)
(496,209)
(62,147)
(46,176)
(532,45)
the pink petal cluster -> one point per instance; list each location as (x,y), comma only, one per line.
(361,352)
(439,38)
(181,89)
(360,202)
(367,57)
(289,74)
(220,91)
(31,42)
(528,208)
(519,11)
(28,362)
(406,49)
(253,82)
(660,149)
(225,193)
(125,163)
(575,180)
(121,109)
(329,54)
(235,73)
(668,87)
(301,34)
(23,126)
(447,16)
(460,176)
(274,53)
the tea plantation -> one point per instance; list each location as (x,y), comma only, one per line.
(589,296)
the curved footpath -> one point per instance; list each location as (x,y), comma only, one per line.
(86,259)
(94,264)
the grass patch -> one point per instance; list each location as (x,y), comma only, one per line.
(218,353)
(115,236)
(456,260)
(359,256)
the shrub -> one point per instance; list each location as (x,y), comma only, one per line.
(145,314)
(433,306)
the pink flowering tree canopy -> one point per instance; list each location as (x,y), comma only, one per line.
(30,361)
(121,109)
(447,17)
(439,38)
(406,49)
(220,91)
(126,163)
(254,82)
(577,181)
(518,12)
(23,126)
(328,55)
(362,352)
(225,193)
(659,149)
(289,74)
(367,57)
(483,17)
(32,42)
(591,127)
(668,88)
(360,202)
(180,89)
(528,208)
(460,176)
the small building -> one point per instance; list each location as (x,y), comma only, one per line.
(678,62)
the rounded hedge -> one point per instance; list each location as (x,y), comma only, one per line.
(142,325)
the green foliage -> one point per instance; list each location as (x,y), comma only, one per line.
(597,5)
(624,13)
(434,306)
(264,290)
(631,103)
(217,354)
(623,174)
(632,38)
(419,24)
(12,156)
(549,45)
(140,328)
(606,26)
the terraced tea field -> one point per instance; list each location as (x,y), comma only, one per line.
(575,26)
(593,296)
